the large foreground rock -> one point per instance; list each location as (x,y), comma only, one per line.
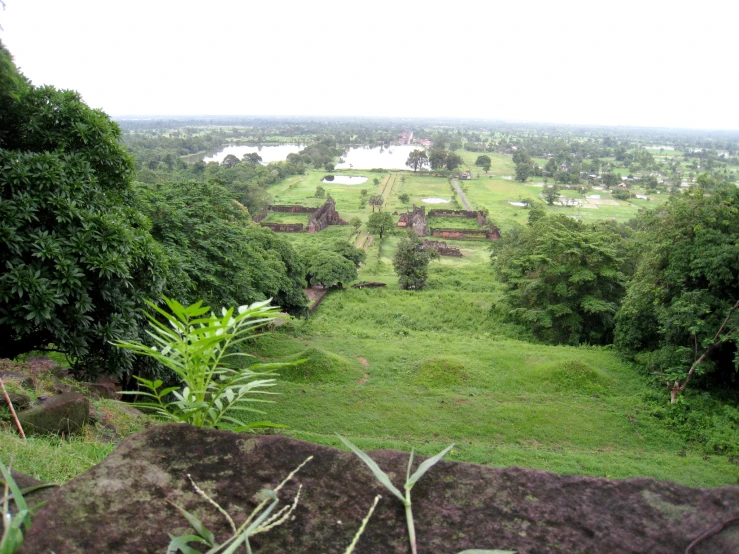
(123,504)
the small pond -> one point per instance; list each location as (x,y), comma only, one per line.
(345,180)
(435,200)
(521,204)
(593,196)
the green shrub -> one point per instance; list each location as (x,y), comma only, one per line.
(196,349)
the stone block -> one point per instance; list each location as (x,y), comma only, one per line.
(61,414)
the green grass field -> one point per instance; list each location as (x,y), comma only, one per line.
(397,369)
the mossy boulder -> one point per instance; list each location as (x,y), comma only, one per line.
(126,503)
(61,414)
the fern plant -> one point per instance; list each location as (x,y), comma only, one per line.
(198,347)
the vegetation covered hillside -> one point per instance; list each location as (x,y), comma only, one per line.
(577,312)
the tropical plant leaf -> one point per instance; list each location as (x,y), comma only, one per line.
(425,466)
(179,544)
(197,525)
(380,475)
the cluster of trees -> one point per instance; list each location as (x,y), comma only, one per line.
(663,289)
(82,246)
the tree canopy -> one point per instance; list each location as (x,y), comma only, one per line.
(327,268)
(564,278)
(224,258)
(417,160)
(685,286)
(411,262)
(76,258)
(380,223)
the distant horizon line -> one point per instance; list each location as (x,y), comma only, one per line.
(153,117)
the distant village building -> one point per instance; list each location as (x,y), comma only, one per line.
(465,175)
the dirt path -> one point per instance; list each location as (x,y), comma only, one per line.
(461,195)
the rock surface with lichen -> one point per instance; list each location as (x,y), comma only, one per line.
(125,504)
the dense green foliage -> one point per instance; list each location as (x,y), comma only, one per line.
(411,262)
(76,258)
(564,278)
(222,257)
(328,268)
(381,224)
(686,284)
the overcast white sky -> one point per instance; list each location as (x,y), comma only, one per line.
(649,63)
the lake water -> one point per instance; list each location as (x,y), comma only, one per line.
(520,204)
(393,157)
(268,152)
(346,180)
(435,200)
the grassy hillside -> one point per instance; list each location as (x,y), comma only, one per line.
(397,369)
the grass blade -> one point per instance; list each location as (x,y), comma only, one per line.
(425,466)
(381,476)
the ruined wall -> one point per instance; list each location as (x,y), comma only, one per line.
(463,234)
(415,220)
(454,213)
(442,248)
(284,227)
(259,217)
(292,209)
(324,216)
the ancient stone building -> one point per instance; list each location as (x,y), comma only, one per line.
(415,220)
(324,216)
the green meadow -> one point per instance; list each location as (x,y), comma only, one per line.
(398,369)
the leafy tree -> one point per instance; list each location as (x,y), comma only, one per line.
(252,158)
(329,166)
(437,158)
(327,268)
(685,286)
(521,156)
(349,251)
(230,161)
(621,194)
(376,200)
(404,198)
(76,259)
(320,192)
(356,223)
(411,262)
(417,160)
(380,223)
(453,161)
(484,162)
(564,279)
(523,171)
(221,256)
(611,180)
(363,192)
(550,193)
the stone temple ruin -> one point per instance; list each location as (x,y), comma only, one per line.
(319,219)
(442,248)
(417,221)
